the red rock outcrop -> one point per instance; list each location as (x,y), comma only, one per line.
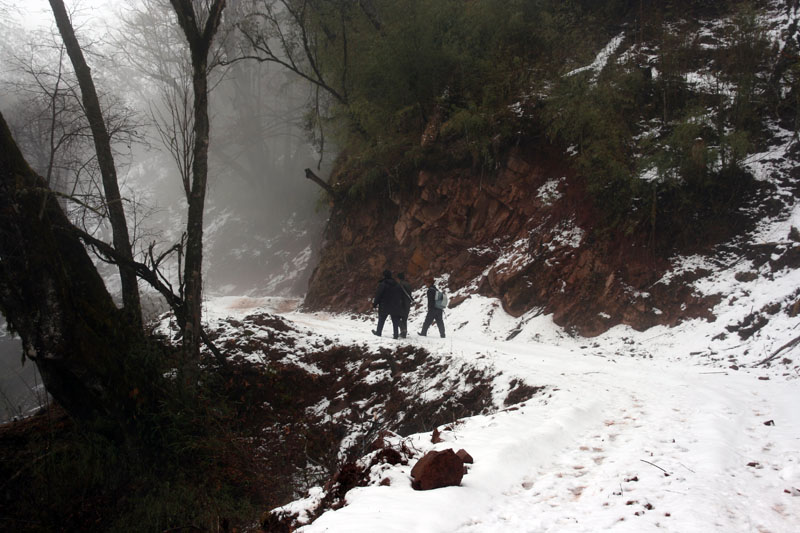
(523,235)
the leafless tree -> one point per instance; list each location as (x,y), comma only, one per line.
(304,37)
(50,126)
(281,32)
(105,159)
(200,22)
(154,47)
(51,292)
(53,297)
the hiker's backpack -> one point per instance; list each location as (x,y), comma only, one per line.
(440,300)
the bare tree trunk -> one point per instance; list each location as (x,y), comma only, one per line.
(193,269)
(53,297)
(105,159)
(199,35)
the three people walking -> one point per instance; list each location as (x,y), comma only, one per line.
(393,300)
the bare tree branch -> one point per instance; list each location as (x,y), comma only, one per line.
(153,277)
(319,181)
(105,158)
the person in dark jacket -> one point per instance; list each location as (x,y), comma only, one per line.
(389,301)
(434,314)
(407,299)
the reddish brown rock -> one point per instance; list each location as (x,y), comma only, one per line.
(418,262)
(465,457)
(423,177)
(402,227)
(437,469)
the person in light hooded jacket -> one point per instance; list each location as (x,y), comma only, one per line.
(434,313)
(389,301)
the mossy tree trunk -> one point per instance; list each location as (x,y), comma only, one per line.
(50,291)
(53,297)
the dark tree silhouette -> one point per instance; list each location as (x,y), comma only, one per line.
(50,291)
(53,297)
(105,159)
(200,36)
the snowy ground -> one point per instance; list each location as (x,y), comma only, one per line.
(694,428)
(638,431)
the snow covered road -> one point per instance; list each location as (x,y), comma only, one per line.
(629,445)
(619,441)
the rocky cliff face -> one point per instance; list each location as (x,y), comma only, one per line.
(523,235)
(528,234)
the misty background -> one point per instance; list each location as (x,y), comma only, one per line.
(263,219)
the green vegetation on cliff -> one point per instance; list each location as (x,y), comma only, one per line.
(655,103)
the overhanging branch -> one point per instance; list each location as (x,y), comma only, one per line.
(151,276)
(319,181)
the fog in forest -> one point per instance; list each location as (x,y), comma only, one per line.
(263,218)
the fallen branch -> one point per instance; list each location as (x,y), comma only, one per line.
(655,465)
(791,344)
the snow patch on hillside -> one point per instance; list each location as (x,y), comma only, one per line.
(601,60)
(567,234)
(548,193)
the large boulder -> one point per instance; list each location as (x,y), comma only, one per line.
(437,469)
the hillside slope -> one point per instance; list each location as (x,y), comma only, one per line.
(525,237)
(534,233)
(684,428)
(615,444)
